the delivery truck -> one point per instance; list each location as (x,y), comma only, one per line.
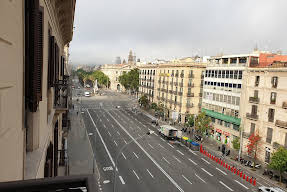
(168,132)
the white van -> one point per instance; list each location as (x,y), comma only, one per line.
(87,94)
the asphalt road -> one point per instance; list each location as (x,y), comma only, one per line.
(148,162)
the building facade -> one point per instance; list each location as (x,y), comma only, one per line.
(33,86)
(265,107)
(222,91)
(176,84)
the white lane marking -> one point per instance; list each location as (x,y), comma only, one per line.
(102,139)
(259,183)
(193,152)
(186,179)
(149,173)
(151,146)
(118,133)
(221,171)
(156,134)
(124,156)
(122,180)
(205,161)
(166,160)
(170,145)
(135,155)
(162,139)
(125,141)
(200,178)
(109,133)
(225,185)
(160,145)
(177,159)
(207,172)
(139,135)
(180,152)
(241,184)
(192,162)
(136,175)
(115,143)
(148,155)
(105,126)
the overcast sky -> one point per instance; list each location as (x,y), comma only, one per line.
(168,29)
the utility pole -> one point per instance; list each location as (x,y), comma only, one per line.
(241,142)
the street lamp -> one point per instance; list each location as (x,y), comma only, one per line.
(120,151)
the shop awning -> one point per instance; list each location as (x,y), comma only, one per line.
(221,116)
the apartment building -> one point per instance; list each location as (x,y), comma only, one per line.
(265,106)
(222,91)
(176,84)
(34,86)
(147,76)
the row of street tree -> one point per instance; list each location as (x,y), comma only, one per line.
(130,80)
(90,77)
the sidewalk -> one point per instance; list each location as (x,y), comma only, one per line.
(80,153)
(211,146)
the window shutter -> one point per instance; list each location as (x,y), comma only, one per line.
(51,61)
(56,77)
(33,54)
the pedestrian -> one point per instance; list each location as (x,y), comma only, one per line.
(77,112)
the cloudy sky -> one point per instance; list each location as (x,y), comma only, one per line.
(169,29)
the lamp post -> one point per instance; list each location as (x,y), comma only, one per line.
(120,151)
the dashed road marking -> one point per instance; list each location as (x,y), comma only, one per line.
(193,152)
(241,184)
(205,161)
(124,156)
(109,133)
(170,145)
(177,159)
(162,139)
(192,162)
(207,172)
(118,133)
(122,180)
(136,175)
(221,171)
(135,155)
(180,152)
(166,160)
(115,143)
(151,146)
(149,173)
(160,145)
(225,185)
(200,178)
(186,179)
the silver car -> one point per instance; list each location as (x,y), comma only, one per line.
(270,189)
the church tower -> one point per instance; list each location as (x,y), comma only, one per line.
(131,58)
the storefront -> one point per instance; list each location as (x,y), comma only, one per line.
(222,136)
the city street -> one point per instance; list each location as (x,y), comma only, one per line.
(148,162)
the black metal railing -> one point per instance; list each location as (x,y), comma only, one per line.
(252,116)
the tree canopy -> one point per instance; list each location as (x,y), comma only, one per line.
(253,145)
(279,161)
(144,101)
(130,80)
(85,76)
(202,123)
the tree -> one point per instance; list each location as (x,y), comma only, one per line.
(190,121)
(130,80)
(253,145)
(144,101)
(154,106)
(236,143)
(202,123)
(279,161)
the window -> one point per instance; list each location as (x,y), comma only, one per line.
(271,113)
(219,74)
(222,84)
(226,84)
(269,135)
(213,119)
(229,99)
(252,128)
(256,93)
(233,100)
(235,74)
(239,86)
(212,73)
(221,98)
(254,109)
(236,112)
(236,127)
(257,79)
(215,73)
(223,74)
(227,74)
(267,158)
(274,82)
(240,75)
(273,98)
(237,101)
(234,85)
(231,74)
(226,124)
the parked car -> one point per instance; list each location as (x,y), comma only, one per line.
(270,189)
(87,94)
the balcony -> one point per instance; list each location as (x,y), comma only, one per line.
(188,105)
(75,183)
(175,92)
(181,84)
(61,96)
(284,105)
(171,83)
(158,89)
(190,85)
(282,124)
(190,76)
(158,97)
(180,93)
(176,75)
(170,91)
(253,99)
(159,81)
(252,116)
(190,94)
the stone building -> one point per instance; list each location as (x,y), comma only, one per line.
(34,87)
